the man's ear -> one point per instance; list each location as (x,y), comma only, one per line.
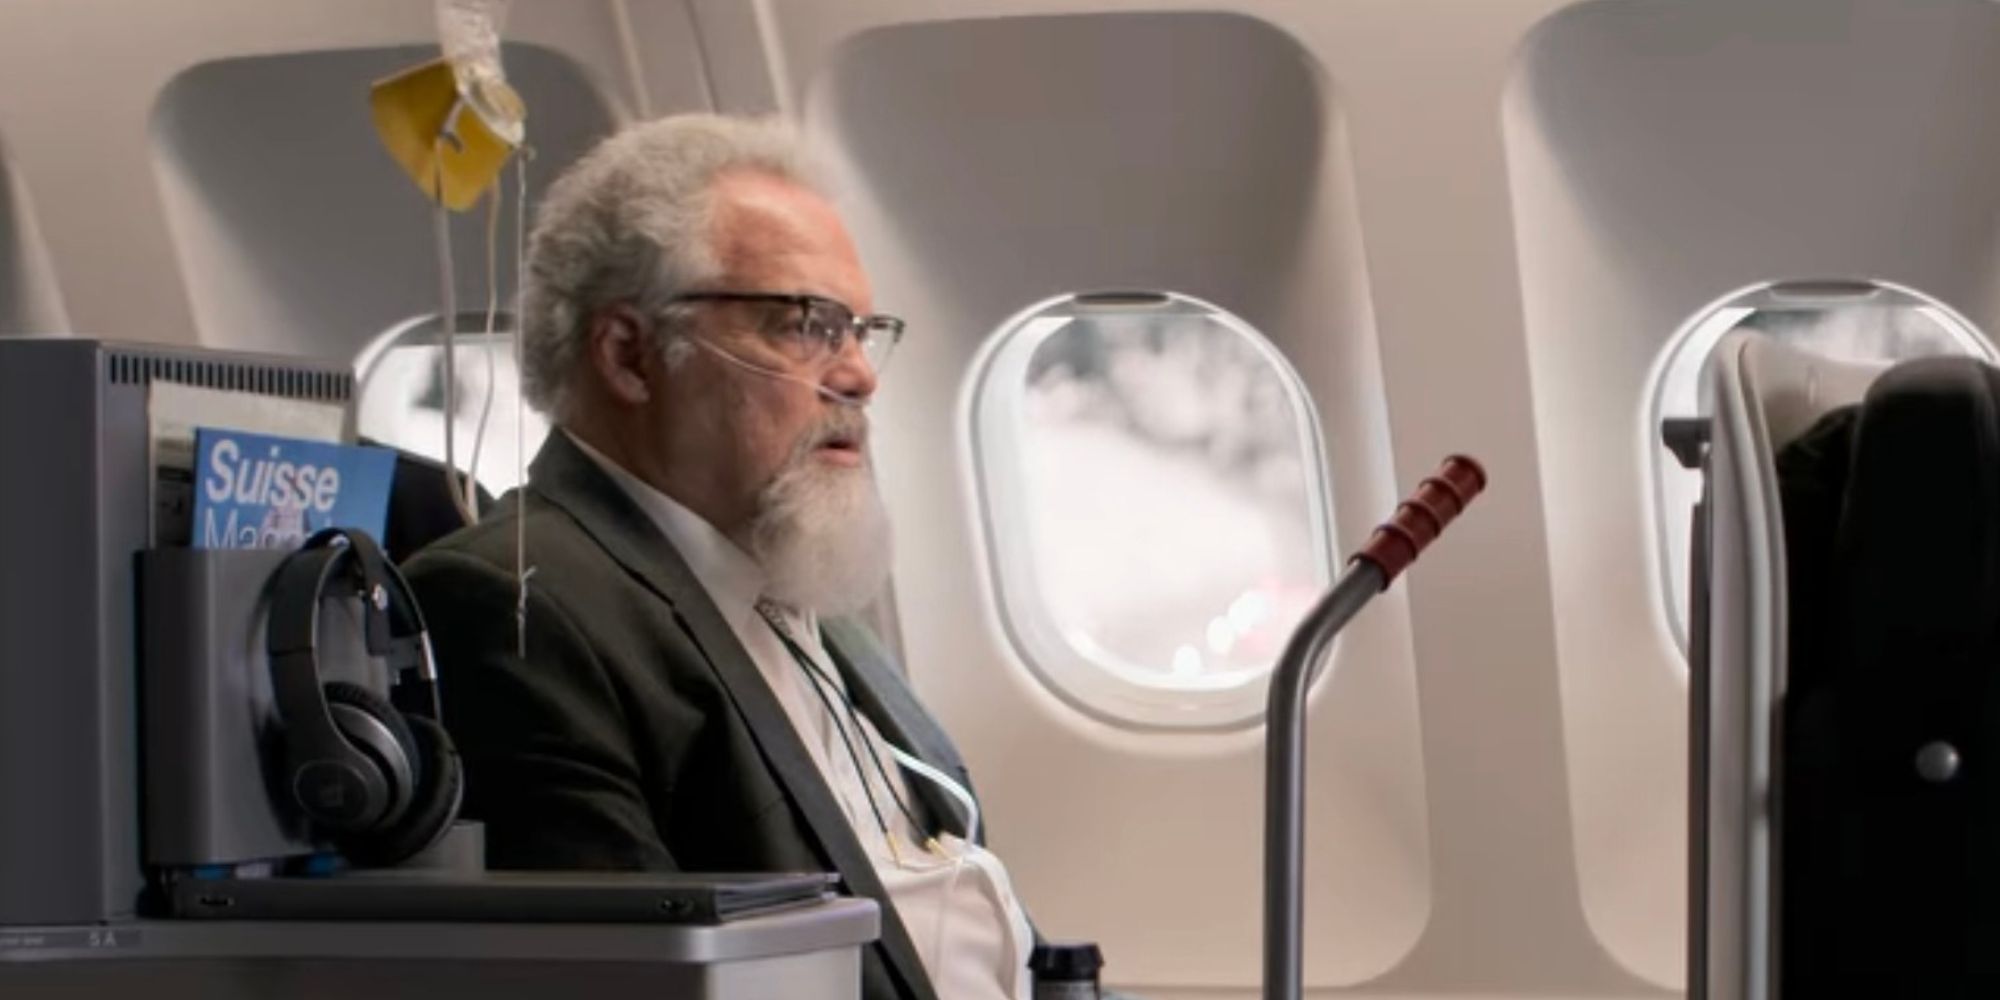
(619,348)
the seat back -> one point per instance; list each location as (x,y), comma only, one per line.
(1761,395)
(421,510)
(1890,798)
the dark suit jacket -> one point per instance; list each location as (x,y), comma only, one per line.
(636,733)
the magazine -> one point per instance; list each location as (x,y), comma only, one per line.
(258,491)
(175,410)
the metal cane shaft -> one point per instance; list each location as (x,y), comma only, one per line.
(1395,544)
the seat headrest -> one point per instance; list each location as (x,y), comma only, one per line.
(420,507)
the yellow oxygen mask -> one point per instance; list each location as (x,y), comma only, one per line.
(452,144)
(452,123)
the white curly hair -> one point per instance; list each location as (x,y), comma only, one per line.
(629,222)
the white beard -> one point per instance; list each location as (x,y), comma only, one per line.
(821,535)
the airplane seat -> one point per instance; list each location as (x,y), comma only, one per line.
(1847,604)
(1891,510)
(420,506)
(1759,396)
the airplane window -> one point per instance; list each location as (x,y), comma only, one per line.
(1850,321)
(1153,497)
(400,397)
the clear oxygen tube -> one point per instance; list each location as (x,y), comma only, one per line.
(493,199)
(964,798)
(448,330)
(469,34)
(831,395)
(522,571)
(464,487)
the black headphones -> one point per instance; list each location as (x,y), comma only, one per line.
(380,777)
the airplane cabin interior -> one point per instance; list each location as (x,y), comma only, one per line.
(1439,499)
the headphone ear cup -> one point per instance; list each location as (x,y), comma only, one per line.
(440,788)
(374,727)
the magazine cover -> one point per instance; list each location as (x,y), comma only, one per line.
(175,410)
(256,491)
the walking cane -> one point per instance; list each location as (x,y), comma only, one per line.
(1392,548)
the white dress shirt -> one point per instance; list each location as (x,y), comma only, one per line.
(954,898)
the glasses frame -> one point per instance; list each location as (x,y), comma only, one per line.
(859,328)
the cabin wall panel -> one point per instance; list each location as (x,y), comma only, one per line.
(1030,186)
(1662,155)
(30,302)
(80,81)
(296,232)
(1417,111)
(1419,87)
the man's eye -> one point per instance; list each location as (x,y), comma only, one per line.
(821,328)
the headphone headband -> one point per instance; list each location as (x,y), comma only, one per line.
(393,623)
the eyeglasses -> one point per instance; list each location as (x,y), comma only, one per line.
(816,329)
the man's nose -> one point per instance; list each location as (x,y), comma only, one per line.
(851,375)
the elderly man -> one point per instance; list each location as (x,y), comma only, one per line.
(685,695)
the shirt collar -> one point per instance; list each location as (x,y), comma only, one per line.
(733,579)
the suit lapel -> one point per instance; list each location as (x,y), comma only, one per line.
(568,478)
(882,695)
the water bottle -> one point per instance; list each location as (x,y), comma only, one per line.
(1066,971)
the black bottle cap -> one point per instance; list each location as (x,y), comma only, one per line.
(1066,961)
